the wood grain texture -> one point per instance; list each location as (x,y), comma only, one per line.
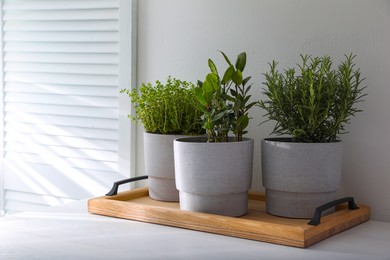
(256,225)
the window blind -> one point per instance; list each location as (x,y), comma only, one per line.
(61,63)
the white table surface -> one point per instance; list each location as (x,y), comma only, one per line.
(70,232)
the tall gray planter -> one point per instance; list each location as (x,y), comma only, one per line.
(159,166)
(298,177)
(213,177)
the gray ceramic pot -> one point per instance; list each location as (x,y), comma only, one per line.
(159,166)
(298,177)
(213,177)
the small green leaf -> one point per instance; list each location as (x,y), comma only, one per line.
(218,116)
(226,58)
(233,92)
(241,61)
(212,67)
(246,80)
(208,91)
(247,89)
(228,75)
(200,96)
(237,77)
(250,105)
(243,121)
(213,80)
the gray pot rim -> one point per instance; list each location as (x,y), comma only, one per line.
(151,133)
(203,140)
(289,140)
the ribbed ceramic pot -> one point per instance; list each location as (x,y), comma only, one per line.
(159,166)
(299,177)
(213,177)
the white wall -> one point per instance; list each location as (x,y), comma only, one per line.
(176,37)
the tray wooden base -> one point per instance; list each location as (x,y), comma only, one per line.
(256,225)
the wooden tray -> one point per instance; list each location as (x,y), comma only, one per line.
(256,225)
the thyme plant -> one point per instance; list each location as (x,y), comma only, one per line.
(170,108)
(225,101)
(315,105)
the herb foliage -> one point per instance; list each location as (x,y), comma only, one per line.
(170,108)
(225,100)
(315,105)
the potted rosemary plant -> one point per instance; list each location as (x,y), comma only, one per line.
(302,171)
(166,111)
(214,173)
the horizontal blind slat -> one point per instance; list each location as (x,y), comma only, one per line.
(54,180)
(66,141)
(89,69)
(58,120)
(13,36)
(34,110)
(93,133)
(62,47)
(65,152)
(61,26)
(65,58)
(54,78)
(62,15)
(58,100)
(75,163)
(79,90)
(59,5)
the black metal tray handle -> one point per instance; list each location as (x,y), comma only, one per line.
(114,189)
(316,219)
